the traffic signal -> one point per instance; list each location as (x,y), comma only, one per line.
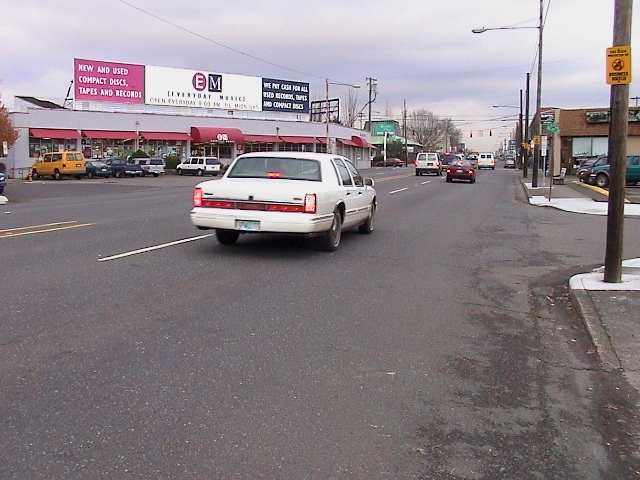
(489,132)
(470,134)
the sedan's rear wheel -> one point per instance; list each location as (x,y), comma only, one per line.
(602,180)
(89,174)
(227,237)
(367,226)
(331,238)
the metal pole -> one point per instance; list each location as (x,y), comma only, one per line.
(618,129)
(527,137)
(536,158)
(519,140)
(326,120)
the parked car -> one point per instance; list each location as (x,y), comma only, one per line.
(97,168)
(391,162)
(509,162)
(3,182)
(151,166)
(486,160)
(314,194)
(587,166)
(428,163)
(600,175)
(199,166)
(461,170)
(60,164)
(122,168)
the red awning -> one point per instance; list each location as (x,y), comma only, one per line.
(360,142)
(53,133)
(109,134)
(348,142)
(216,135)
(165,136)
(299,139)
(262,139)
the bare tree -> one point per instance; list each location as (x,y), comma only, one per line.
(350,112)
(432,132)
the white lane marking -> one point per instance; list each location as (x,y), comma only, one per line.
(424,183)
(156,247)
(399,190)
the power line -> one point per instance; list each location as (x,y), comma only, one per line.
(207,39)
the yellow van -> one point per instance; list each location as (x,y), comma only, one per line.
(60,164)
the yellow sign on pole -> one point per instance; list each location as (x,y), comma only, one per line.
(619,65)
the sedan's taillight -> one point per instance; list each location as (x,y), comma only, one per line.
(197,197)
(310,203)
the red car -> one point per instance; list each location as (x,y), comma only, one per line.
(391,162)
(461,170)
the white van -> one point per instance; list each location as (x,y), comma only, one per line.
(486,160)
(199,166)
(428,163)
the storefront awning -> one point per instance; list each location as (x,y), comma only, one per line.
(350,143)
(217,135)
(53,133)
(165,136)
(360,142)
(109,134)
(299,139)
(262,139)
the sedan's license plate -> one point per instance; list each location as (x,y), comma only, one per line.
(248,225)
(460,171)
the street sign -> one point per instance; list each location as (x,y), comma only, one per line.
(5,148)
(619,65)
(553,128)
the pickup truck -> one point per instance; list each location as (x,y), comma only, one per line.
(151,166)
(122,168)
(600,175)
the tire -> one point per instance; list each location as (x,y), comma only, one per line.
(143,173)
(117,174)
(449,179)
(56,175)
(602,180)
(227,237)
(199,173)
(179,171)
(155,175)
(35,175)
(330,241)
(418,174)
(89,175)
(367,226)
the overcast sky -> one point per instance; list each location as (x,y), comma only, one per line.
(421,51)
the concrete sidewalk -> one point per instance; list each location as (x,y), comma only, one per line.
(610,311)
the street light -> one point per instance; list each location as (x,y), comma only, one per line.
(536,159)
(329,82)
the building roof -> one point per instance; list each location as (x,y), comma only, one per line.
(40,103)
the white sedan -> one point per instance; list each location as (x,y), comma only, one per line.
(314,194)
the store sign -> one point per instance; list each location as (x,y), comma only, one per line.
(102,81)
(284,96)
(175,87)
(108,81)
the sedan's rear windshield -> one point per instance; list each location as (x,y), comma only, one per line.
(275,167)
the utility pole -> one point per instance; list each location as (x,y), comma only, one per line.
(527,138)
(373,90)
(404,130)
(519,139)
(618,129)
(538,145)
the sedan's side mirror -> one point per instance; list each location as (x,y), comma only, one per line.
(369,182)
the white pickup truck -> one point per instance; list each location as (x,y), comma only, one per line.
(151,166)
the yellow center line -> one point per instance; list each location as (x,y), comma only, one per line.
(19,233)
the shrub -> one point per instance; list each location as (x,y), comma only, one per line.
(171,162)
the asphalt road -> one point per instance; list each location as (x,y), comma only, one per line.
(442,346)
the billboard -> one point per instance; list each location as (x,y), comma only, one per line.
(103,81)
(195,88)
(108,81)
